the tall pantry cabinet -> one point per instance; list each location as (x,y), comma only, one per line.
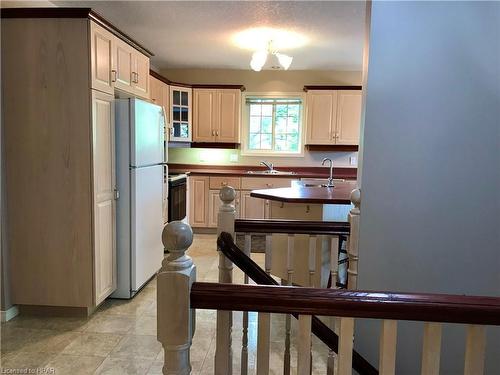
(59,151)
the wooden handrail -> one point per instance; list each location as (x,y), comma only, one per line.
(292,227)
(346,303)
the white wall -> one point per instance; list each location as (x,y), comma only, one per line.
(430,213)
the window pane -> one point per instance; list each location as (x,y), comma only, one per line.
(281,110)
(184,97)
(177,113)
(280,125)
(254,124)
(267,125)
(184,130)
(177,129)
(184,114)
(255,109)
(267,110)
(293,125)
(280,144)
(254,142)
(293,110)
(176,97)
(293,142)
(266,141)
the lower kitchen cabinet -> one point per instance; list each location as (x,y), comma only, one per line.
(253,208)
(198,201)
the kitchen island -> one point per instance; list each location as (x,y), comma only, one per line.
(305,200)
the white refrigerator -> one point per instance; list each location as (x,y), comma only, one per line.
(140,159)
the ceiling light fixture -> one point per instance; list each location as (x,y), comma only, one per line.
(259,58)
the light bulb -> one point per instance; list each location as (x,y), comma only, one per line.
(284,60)
(258,60)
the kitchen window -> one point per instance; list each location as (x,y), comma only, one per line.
(273,125)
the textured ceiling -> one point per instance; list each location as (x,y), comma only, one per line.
(197,34)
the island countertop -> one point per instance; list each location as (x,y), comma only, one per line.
(340,194)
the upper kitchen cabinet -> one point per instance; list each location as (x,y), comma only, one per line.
(333,116)
(101,55)
(180,114)
(130,71)
(216,115)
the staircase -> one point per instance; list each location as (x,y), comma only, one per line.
(179,295)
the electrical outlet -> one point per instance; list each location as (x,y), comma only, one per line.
(233,158)
(353,160)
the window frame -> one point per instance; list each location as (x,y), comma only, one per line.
(245,121)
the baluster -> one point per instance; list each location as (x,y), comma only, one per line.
(288,322)
(264,325)
(346,334)
(223,348)
(474,350)
(244,340)
(304,345)
(431,349)
(175,318)
(332,362)
(388,342)
(352,247)
(312,260)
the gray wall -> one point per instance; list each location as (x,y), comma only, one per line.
(430,213)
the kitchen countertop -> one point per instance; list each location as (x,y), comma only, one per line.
(340,194)
(241,171)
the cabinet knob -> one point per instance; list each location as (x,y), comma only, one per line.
(216,133)
(269,185)
(223,183)
(213,132)
(308,209)
(113,75)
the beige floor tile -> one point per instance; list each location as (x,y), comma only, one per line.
(156,368)
(137,346)
(75,364)
(124,366)
(93,344)
(107,323)
(134,307)
(144,325)
(25,361)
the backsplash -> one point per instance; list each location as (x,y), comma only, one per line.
(234,157)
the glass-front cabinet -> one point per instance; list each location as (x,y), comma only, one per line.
(180,114)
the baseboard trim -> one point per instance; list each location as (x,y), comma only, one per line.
(9,314)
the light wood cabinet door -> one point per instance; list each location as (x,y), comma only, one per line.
(123,65)
(214,204)
(253,208)
(155,90)
(205,115)
(321,116)
(140,74)
(198,201)
(348,117)
(101,53)
(228,125)
(103,135)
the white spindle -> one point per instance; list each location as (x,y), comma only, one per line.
(474,350)
(304,345)
(346,334)
(431,349)
(244,341)
(388,342)
(264,325)
(312,259)
(223,348)
(288,322)
(352,247)
(332,362)
(175,318)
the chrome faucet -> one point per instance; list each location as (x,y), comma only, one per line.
(270,166)
(330,179)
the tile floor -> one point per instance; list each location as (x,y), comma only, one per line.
(120,337)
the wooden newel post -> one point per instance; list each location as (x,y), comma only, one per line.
(176,320)
(225,223)
(352,248)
